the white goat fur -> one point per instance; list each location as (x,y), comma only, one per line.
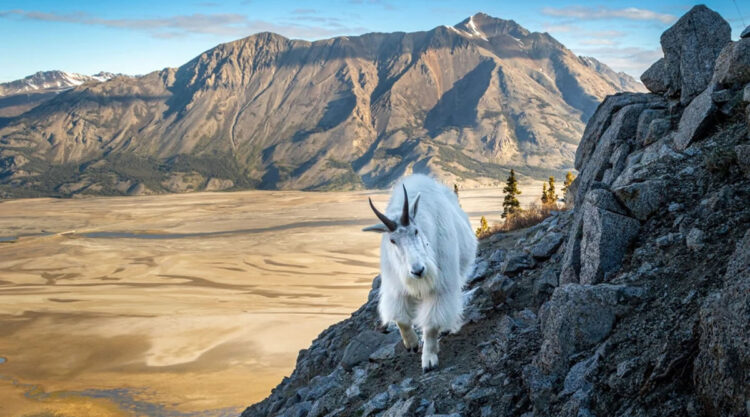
(447,250)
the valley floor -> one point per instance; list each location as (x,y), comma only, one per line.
(184,305)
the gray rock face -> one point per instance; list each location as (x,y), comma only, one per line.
(691,47)
(623,127)
(606,237)
(642,198)
(733,64)
(745,33)
(743,158)
(644,123)
(575,318)
(599,237)
(361,347)
(499,288)
(601,120)
(722,367)
(657,129)
(657,78)
(517,262)
(695,119)
(547,246)
(402,408)
(695,239)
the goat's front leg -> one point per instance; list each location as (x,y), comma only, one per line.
(430,349)
(409,336)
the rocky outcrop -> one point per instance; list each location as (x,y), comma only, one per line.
(635,303)
(690,47)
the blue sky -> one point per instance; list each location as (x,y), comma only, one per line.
(137,37)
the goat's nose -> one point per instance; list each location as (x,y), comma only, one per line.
(417,272)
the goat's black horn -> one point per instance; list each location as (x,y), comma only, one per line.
(405,212)
(390,224)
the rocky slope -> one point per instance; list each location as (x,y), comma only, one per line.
(462,102)
(20,96)
(635,303)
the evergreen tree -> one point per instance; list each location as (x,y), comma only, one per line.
(544,193)
(551,196)
(483,227)
(568,180)
(511,205)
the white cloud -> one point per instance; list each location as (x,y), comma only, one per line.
(631,13)
(219,24)
(630,59)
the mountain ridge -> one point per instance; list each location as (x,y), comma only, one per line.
(464,103)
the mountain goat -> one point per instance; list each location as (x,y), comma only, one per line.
(426,254)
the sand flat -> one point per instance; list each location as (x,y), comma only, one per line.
(191,303)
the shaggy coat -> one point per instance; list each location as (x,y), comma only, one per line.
(424,263)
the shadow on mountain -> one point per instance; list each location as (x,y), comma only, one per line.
(458,106)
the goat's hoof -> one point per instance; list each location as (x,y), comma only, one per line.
(415,349)
(429,368)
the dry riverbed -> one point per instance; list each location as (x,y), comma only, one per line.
(177,305)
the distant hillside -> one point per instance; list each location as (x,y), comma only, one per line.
(463,102)
(19,96)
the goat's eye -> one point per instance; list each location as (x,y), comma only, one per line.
(393,241)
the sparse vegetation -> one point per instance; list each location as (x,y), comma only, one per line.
(528,217)
(551,195)
(511,205)
(569,177)
(483,228)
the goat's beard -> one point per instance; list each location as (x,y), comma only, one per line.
(423,286)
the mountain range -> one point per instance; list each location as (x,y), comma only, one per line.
(464,103)
(19,96)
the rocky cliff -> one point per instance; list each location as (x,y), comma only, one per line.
(463,102)
(635,303)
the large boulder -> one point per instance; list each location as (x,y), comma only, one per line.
(691,47)
(578,317)
(606,236)
(362,346)
(598,239)
(657,78)
(547,246)
(696,118)
(733,64)
(642,198)
(722,368)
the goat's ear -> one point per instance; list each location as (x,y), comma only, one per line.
(415,206)
(378,228)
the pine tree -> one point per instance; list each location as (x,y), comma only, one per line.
(483,227)
(551,196)
(511,205)
(568,180)
(544,193)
